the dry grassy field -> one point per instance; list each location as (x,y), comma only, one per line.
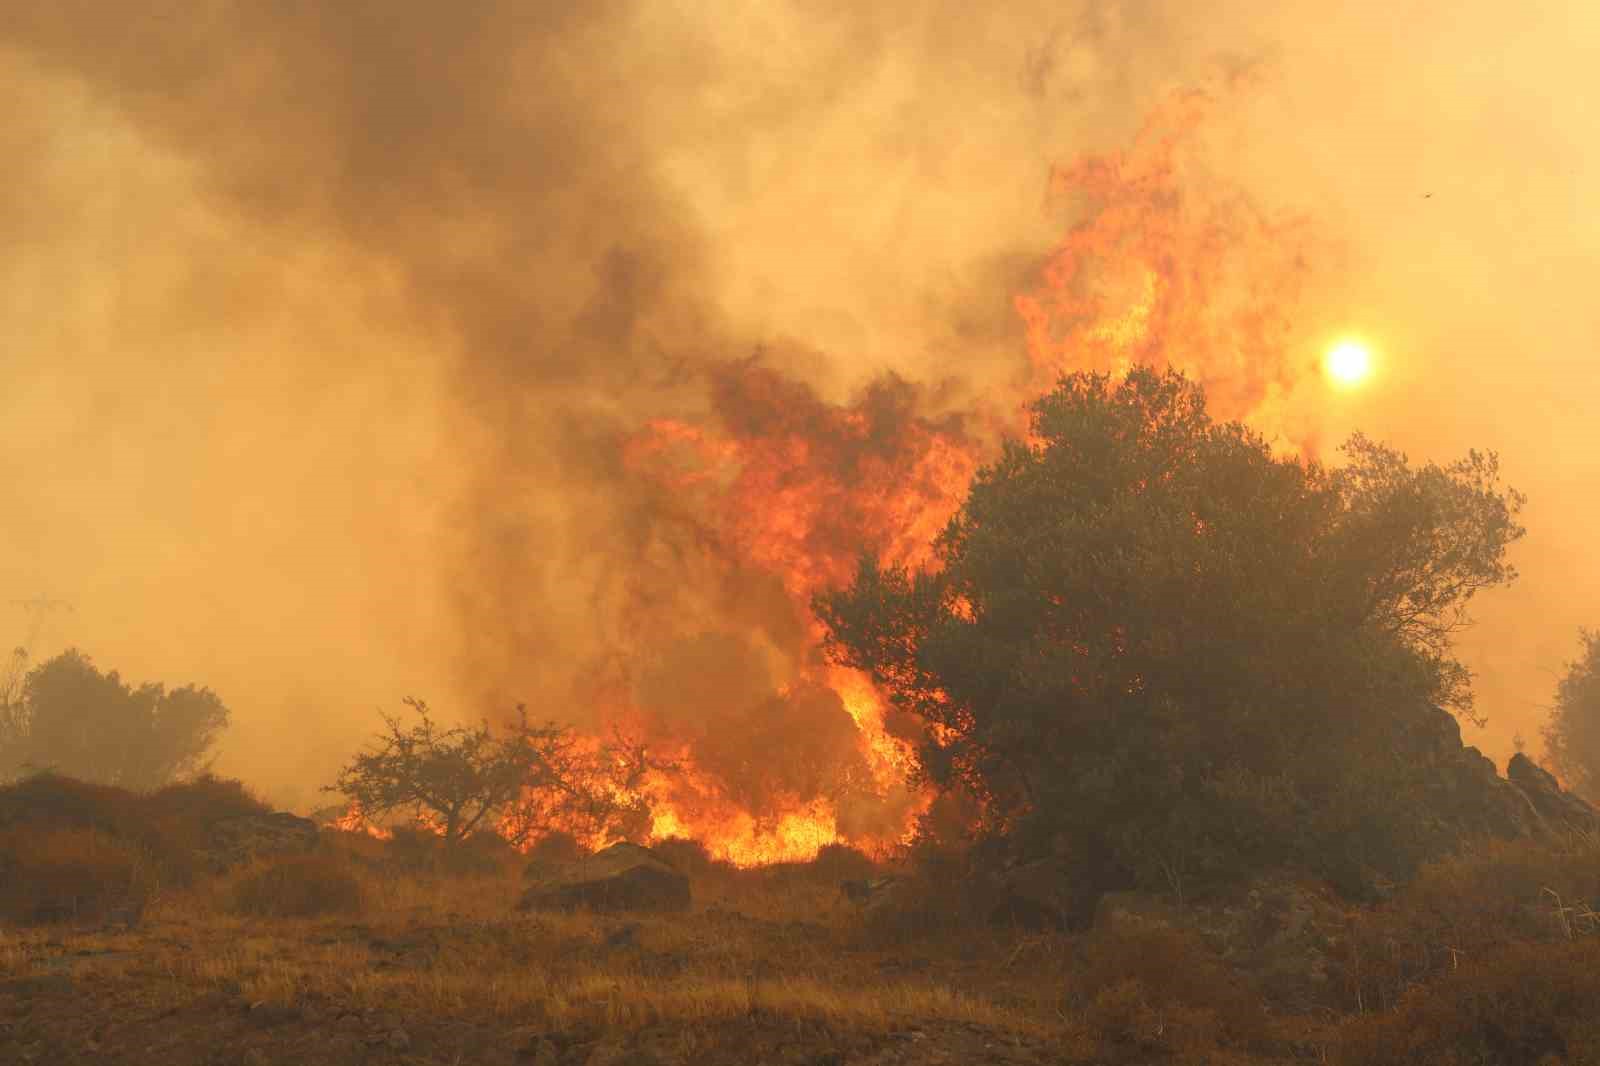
(366,951)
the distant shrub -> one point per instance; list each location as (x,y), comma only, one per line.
(49,799)
(70,874)
(1527,1003)
(170,826)
(300,886)
(485,852)
(207,798)
(414,848)
(1159,990)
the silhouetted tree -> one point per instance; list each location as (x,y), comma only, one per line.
(1572,735)
(467,779)
(69,717)
(1146,635)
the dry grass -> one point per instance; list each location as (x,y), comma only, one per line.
(438,951)
(1525,1003)
(363,938)
(70,874)
(1493,896)
(298,886)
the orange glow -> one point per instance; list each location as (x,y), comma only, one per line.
(354,820)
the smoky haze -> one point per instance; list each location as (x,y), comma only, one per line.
(330,332)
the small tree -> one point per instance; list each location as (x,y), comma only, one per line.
(462,778)
(69,717)
(1572,735)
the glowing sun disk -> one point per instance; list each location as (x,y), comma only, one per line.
(1349,363)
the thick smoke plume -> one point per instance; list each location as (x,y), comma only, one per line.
(522,351)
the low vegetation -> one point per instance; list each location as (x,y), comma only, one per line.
(367,948)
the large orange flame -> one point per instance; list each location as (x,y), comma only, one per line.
(776,492)
(1164,265)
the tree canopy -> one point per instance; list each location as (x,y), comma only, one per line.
(1572,735)
(469,779)
(69,717)
(1149,636)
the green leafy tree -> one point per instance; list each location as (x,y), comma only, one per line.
(1572,735)
(463,780)
(69,717)
(1148,637)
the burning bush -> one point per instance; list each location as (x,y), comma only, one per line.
(299,886)
(70,874)
(464,780)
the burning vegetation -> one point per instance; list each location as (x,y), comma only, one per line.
(1075,703)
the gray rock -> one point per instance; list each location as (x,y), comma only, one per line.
(1555,805)
(870,891)
(623,877)
(1282,928)
(240,838)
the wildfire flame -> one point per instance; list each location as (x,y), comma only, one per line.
(772,495)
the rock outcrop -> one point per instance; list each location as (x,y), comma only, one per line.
(240,838)
(1283,928)
(623,877)
(1465,792)
(1558,808)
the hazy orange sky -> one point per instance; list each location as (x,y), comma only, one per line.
(321,324)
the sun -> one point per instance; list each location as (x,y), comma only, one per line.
(1348,363)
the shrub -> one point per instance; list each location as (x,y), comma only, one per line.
(206,799)
(1157,989)
(1527,1003)
(414,848)
(485,852)
(70,874)
(171,826)
(300,886)
(840,862)
(1492,896)
(54,800)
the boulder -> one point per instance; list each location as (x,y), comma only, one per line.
(623,877)
(1282,928)
(868,891)
(242,837)
(1053,892)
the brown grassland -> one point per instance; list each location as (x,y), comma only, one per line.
(374,952)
